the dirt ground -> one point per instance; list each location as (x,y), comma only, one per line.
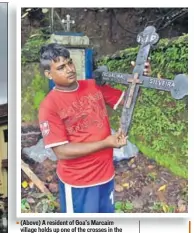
(141,186)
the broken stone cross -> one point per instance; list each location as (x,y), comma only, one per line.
(178,87)
(68,22)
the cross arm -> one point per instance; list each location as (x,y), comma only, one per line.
(178,87)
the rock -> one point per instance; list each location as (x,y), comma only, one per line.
(123,169)
(54,166)
(138,203)
(30,200)
(53,187)
(131,161)
(119,196)
(181,206)
(118,188)
(133,166)
(151,167)
(49,178)
(31,185)
(151,161)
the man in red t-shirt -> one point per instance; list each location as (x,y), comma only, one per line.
(74,123)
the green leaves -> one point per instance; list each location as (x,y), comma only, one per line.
(123,207)
(39,96)
(33,95)
(44,203)
(25,205)
(30,51)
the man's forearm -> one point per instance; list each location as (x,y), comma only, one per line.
(75,150)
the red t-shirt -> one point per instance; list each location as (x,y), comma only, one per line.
(80,116)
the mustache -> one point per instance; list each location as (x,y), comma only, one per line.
(71,74)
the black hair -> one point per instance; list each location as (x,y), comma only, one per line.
(52,52)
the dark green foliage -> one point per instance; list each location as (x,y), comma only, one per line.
(30,51)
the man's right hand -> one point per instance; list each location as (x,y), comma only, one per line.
(116,140)
(74,150)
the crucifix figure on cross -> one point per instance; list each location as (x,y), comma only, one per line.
(178,87)
(68,22)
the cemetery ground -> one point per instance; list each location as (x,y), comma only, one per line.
(141,186)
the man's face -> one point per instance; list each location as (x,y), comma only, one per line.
(62,72)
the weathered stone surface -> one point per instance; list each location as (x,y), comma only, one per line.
(70,40)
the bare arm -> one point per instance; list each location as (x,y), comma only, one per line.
(75,150)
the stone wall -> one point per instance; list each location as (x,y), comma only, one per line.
(30,134)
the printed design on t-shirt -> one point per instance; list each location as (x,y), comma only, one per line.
(85,112)
(44,127)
